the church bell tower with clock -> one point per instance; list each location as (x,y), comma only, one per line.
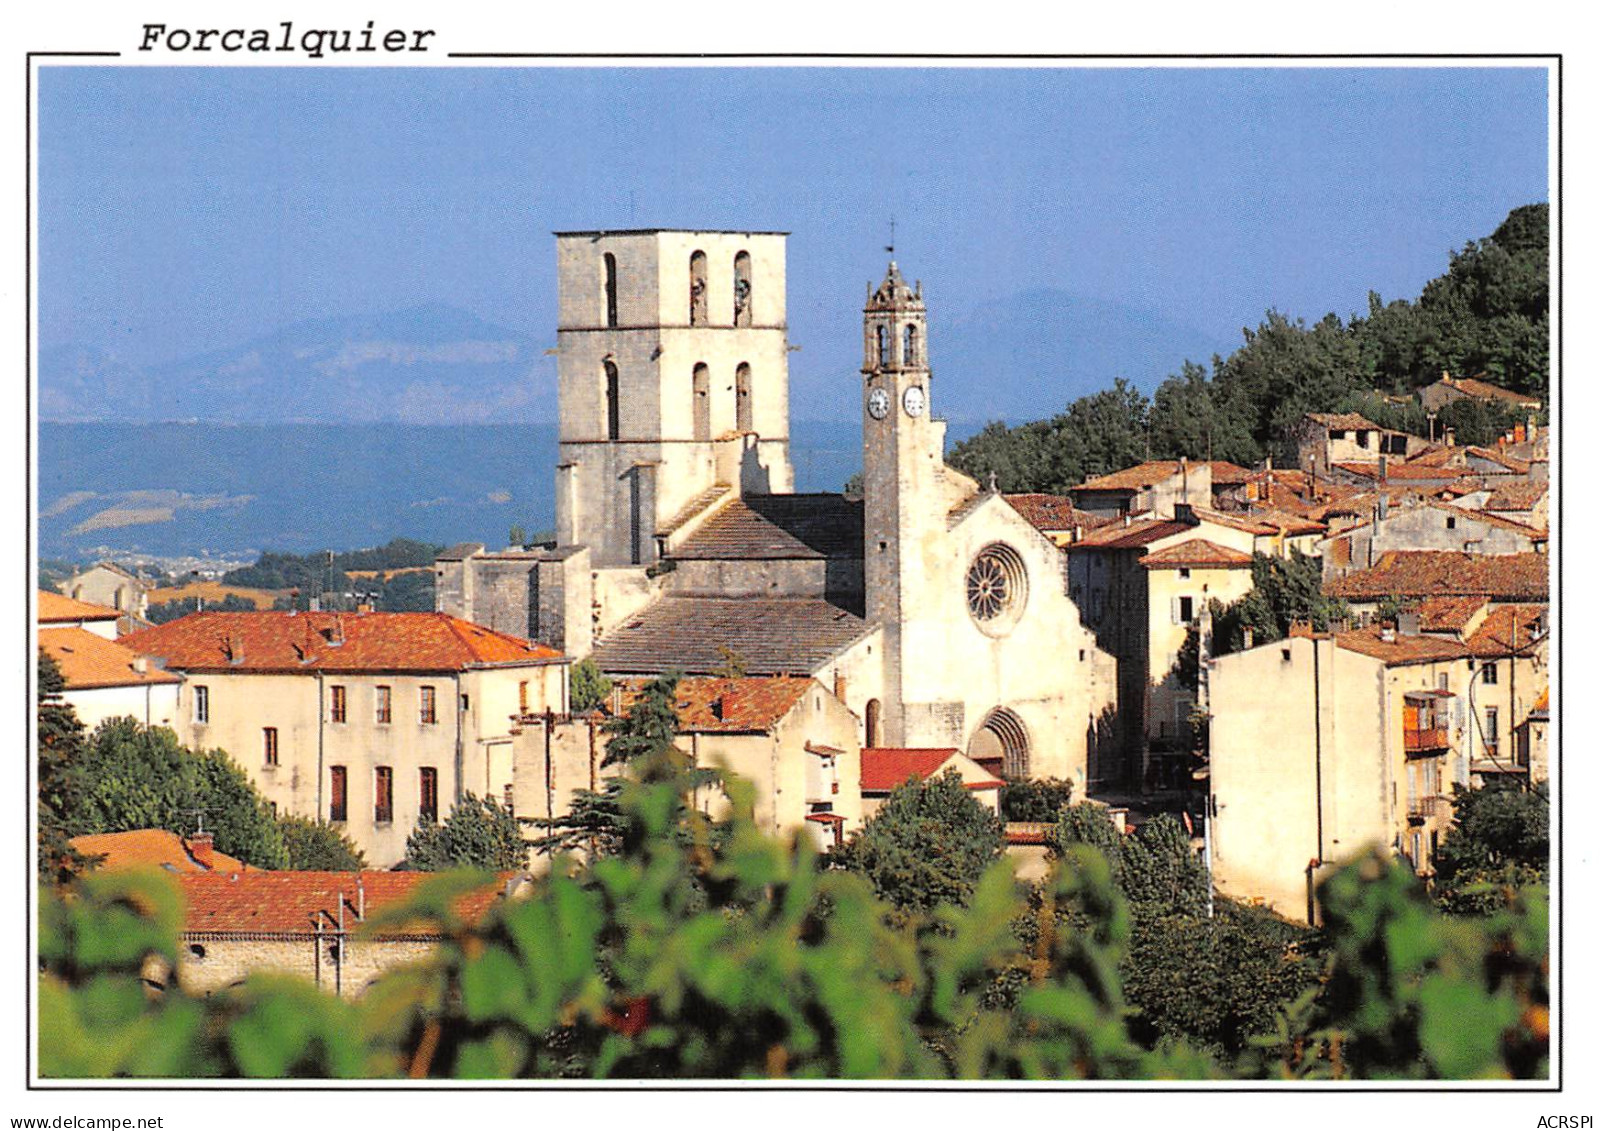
(902,468)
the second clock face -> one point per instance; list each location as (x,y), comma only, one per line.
(879,404)
(913,400)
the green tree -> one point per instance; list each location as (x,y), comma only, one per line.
(478,833)
(927,846)
(1497,845)
(1285,590)
(137,777)
(411,591)
(648,729)
(588,688)
(60,754)
(1035,799)
(316,846)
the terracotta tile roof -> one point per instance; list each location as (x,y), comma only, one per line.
(1228,474)
(1055,512)
(1502,459)
(1447,573)
(1197,552)
(1521,496)
(759,527)
(152,848)
(88,661)
(1118,536)
(56,609)
(332,642)
(1287,522)
(698,504)
(1487,391)
(296,902)
(1028,832)
(1449,614)
(772,636)
(1439,456)
(1247,523)
(213,592)
(748,705)
(1410,472)
(1403,648)
(1509,628)
(1343,420)
(886,767)
(1136,478)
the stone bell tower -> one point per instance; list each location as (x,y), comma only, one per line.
(902,469)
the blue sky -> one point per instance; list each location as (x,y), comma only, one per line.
(182,210)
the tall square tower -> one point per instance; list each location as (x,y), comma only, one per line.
(672,380)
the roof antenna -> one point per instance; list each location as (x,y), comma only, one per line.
(200,819)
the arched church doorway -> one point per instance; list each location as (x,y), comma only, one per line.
(1002,745)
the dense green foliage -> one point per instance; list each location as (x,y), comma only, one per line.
(317,846)
(1487,314)
(588,688)
(692,955)
(1035,799)
(927,846)
(137,777)
(60,755)
(164,611)
(1285,590)
(326,573)
(1498,844)
(478,833)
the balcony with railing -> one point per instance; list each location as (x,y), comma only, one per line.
(1425,808)
(1425,721)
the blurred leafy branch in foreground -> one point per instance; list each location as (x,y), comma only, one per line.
(704,948)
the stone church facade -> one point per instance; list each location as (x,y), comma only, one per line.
(931,607)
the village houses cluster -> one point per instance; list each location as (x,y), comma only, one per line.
(832,646)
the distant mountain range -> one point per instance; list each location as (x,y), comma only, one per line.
(1017,359)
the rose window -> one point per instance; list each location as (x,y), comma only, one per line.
(995,586)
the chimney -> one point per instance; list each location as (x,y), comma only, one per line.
(200,847)
(718,708)
(141,665)
(1078,533)
(1184,513)
(363,609)
(1448,436)
(840,685)
(1388,633)
(1127,519)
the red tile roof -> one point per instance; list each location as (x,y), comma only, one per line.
(1502,459)
(56,609)
(1447,573)
(1228,474)
(1402,649)
(1055,512)
(886,767)
(1449,614)
(89,661)
(1138,477)
(1246,523)
(1509,628)
(1197,552)
(296,902)
(1118,536)
(748,705)
(1521,496)
(152,848)
(1343,420)
(1487,391)
(332,642)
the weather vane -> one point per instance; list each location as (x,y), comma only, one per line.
(891,248)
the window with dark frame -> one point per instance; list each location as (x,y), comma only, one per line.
(381,704)
(428,795)
(1489,673)
(203,704)
(383,795)
(336,793)
(270,746)
(426,711)
(337,703)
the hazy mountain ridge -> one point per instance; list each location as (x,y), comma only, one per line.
(1017,358)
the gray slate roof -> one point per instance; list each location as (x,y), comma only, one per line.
(773,636)
(770,527)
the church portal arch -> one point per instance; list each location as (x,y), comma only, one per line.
(1002,738)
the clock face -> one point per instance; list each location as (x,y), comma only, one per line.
(879,404)
(913,400)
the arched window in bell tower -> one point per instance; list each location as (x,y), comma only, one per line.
(743,289)
(611,372)
(698,288)
(701,408)
(882,345)
(743,397)
(610,288)
(910,345)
